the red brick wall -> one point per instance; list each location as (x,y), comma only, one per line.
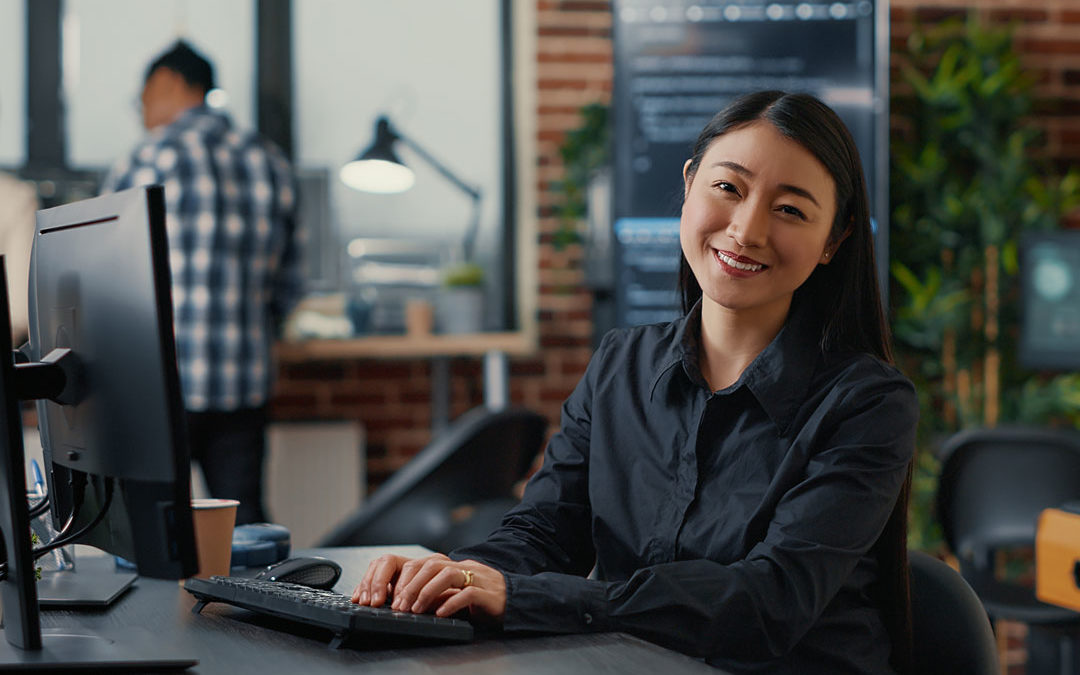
(574,68)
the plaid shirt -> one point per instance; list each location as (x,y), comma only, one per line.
(234,251)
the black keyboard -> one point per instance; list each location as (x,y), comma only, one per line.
(326,609)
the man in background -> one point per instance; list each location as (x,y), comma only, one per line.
(234,251)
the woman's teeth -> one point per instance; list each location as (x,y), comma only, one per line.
(738,265)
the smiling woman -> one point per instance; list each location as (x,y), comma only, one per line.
(736,479)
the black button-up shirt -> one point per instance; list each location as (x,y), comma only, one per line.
(732,525)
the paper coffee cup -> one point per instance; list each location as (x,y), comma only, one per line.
(214,520)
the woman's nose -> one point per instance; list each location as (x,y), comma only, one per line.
(750,227)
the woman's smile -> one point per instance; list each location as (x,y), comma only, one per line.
(737,265)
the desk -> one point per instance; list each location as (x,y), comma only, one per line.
(230,640)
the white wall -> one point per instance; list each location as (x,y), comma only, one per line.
(108,45)
(12,82)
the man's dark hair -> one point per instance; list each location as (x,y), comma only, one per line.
(190,64)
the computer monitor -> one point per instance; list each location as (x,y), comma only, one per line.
(1050,300)
(103,369)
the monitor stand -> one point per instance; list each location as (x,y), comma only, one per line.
(89,588)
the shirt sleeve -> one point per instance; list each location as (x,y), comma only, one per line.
(138,169)
(757,608)
(288,284)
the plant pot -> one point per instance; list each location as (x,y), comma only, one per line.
(460,309)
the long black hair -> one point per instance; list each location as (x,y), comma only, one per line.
(843,293)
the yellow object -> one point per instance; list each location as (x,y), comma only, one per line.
(1057,558)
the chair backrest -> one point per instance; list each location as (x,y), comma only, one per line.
(995,482)
(479,457)
(951,634)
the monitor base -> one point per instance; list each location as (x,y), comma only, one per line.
(82,588)
(132,649)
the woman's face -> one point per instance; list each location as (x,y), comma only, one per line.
(756,219)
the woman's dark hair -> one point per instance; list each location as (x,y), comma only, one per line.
(844,293)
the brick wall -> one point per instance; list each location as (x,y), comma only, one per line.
(574,68)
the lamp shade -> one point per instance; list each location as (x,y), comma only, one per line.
(378,169)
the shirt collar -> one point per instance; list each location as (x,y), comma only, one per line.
(778,377)
(204,113)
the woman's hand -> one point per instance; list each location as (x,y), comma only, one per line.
(435,583)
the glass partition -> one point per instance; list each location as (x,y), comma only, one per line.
(435,70)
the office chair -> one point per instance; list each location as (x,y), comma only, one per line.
(478,458)
(951,633)
(993,485)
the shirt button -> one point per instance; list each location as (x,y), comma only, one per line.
(588,618)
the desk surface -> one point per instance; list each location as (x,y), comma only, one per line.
(406,346)
(226,639)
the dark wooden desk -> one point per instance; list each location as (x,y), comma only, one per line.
(234,641)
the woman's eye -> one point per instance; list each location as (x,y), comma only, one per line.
(792,211)
(725,186)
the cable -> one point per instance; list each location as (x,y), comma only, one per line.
(39,508)
(63,538)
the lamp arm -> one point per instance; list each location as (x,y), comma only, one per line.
(449,175)
(473,191)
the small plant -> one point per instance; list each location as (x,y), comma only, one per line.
(584,151)
(464,275)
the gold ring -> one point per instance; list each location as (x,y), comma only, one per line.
(468,578)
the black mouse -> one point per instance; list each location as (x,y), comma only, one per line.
(314,572)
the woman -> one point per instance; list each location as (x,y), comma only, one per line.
(736,479)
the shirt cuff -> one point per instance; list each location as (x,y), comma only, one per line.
(554,603)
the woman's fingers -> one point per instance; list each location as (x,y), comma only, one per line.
(372,589)
(435,583)
(449,577)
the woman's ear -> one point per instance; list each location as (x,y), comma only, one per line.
(833,244)
(687,177)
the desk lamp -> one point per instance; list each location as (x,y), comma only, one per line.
(378,169)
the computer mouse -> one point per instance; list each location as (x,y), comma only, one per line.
(314,572)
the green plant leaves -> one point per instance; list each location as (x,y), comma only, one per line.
(965,184)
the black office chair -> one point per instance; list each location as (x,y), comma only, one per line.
(478,458)
(951,633)
(994,483)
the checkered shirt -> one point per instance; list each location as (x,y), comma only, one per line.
(234,251)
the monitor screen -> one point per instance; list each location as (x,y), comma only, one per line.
(1050,300)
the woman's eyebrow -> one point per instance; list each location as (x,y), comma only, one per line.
(796,190)
(784,187)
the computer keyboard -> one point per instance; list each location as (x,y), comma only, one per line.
(322,608)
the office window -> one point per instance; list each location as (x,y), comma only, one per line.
(12,83)
(107,45)
(434,68)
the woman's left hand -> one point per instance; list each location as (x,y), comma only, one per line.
(446,586)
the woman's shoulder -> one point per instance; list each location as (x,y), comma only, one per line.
(657,339)
(863,372)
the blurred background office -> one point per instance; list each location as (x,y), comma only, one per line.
(512,97)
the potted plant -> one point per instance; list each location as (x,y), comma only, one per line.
(460,307)
(966,182)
